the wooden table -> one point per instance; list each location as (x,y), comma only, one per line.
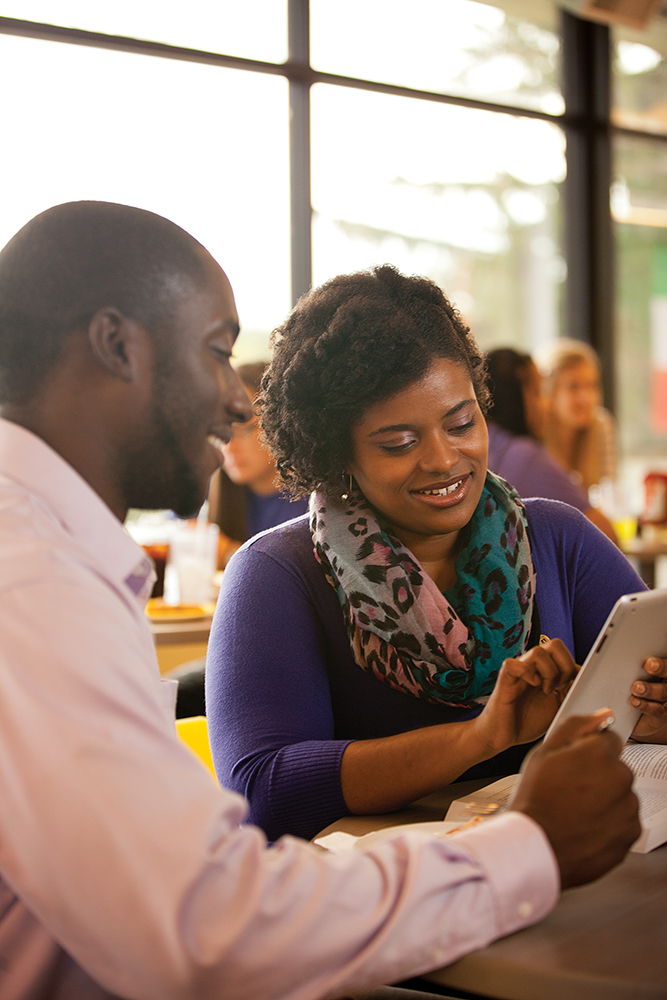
(604,941)
(643,553)
(179,642)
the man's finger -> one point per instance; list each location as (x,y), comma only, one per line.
(579,726)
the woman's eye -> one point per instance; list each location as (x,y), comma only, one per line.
(462,428)
(397,448)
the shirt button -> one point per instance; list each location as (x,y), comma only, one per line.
(525,910)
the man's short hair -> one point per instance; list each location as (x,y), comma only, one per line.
(74,259)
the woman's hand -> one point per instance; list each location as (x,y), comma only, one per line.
(527,695)
(650,697)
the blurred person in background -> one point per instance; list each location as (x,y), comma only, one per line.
(244,497)
(578,431)
(516,422)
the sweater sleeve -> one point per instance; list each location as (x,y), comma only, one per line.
(580,574)
(268,701)
(533,472)
(603,574)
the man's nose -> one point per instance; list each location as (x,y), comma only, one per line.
(238,404)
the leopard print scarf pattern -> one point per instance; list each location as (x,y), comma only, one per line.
(444,648)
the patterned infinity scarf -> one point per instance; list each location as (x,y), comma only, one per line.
(446,649)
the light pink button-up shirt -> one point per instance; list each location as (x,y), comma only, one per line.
(123,868)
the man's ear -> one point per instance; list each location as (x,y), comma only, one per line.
(118,344)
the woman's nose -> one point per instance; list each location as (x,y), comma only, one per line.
(438,454)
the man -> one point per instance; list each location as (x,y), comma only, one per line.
(123,869)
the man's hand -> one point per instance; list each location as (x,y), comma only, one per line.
(649,696)
(580,793)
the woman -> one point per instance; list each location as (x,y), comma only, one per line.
(579,432)
(358,668)
(516,425)
(244,498)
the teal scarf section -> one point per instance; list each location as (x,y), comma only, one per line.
(444,648)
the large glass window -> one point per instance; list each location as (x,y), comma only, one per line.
(508,54)
(256,29)
(204,146)
(639,202)
(640,78)
(469,198)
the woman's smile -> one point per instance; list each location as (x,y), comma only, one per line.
(444,494)
(420,457)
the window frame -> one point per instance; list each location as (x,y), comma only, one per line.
(588,233)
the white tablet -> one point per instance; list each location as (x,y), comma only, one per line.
(635,630)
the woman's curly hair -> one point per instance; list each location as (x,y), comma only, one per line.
(354,341)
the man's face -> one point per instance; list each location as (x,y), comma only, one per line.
(195,399)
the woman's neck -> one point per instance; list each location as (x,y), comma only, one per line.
(436,555)
(562,441)
(265,485)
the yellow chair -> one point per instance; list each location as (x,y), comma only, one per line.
(194,733)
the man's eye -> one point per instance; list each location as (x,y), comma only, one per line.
(222,352)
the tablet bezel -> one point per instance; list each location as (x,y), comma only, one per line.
(635,629)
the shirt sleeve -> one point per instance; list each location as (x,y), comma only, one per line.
(268,700)
(121,845)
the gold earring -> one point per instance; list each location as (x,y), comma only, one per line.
(346,496)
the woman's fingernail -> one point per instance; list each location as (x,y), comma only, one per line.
(652,666)
(639,688)
(635,702)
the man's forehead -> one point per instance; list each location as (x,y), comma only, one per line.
(203,307)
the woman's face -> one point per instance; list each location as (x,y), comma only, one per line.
(247,462)
(533,399)
(576,395)
(420,457)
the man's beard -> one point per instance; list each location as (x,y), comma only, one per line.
(156,473)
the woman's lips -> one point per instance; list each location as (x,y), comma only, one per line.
(444,493)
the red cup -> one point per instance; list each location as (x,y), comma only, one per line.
(159,553)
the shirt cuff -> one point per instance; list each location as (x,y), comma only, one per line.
(520,866)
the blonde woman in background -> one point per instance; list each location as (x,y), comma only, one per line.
(578,431)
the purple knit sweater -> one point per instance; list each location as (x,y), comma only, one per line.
(284,696)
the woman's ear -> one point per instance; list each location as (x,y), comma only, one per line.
(118,344)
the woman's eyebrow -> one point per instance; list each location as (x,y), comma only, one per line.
(408,427)
(391,427)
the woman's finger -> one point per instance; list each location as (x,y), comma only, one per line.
(552,663)
(644,691)
(655,710)
(656,666)
(562,657)
(526,668)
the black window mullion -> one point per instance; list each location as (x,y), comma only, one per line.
(588,234)
(299,144)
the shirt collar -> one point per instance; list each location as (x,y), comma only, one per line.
(27,460)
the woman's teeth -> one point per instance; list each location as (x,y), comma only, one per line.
(444,492)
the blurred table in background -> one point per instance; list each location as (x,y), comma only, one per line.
(178,641)
(644,553)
